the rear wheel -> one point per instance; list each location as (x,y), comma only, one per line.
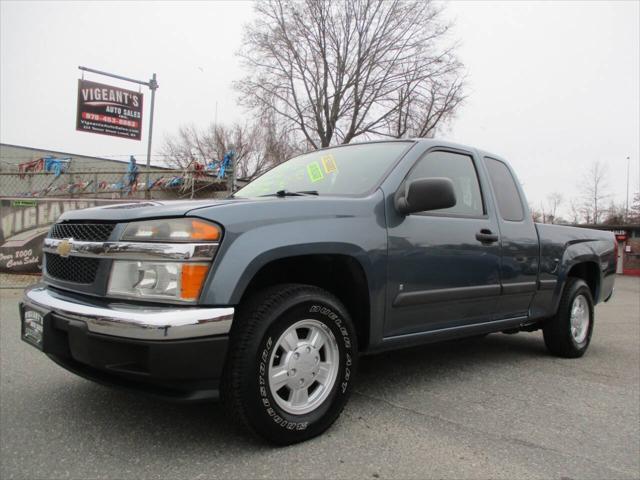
(291,363)
(568,334)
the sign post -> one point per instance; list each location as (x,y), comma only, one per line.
(123,127)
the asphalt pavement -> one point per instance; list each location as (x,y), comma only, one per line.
(493,407)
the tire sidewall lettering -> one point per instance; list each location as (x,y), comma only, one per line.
(331,315)
(264,396)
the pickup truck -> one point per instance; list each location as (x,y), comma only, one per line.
(267,298)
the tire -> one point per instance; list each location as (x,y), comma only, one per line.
(268,370)
(562,337)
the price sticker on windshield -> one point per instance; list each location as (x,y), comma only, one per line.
(314,172)
(329,163)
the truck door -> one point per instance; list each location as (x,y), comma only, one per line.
(520,245)
(443,265)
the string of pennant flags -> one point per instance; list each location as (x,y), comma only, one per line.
(129,183)
(45,164)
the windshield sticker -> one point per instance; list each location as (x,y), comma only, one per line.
(315,172)
(329,163)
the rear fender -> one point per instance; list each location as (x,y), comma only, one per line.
(576,254)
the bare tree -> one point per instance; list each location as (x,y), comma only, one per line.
(257,146)
(574,211)
(594,192)
(337,70)
(615,214)
(634,210)
(536,215)
(544,215)
(553,202)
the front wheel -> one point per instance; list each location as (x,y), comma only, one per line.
(291,364)
(568,334)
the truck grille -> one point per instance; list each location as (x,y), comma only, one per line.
(72,269)
(87,232)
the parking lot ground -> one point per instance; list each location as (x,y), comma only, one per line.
(494,407)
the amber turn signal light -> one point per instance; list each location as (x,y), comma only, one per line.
(204,231)
(192,279)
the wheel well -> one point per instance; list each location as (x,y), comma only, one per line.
(341,275)
(587,271)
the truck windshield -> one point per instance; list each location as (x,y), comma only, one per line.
(346,170)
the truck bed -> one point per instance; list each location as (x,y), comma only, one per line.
(563,248)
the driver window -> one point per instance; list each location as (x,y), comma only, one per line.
(459,168)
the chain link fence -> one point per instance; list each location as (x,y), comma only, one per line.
(114,184)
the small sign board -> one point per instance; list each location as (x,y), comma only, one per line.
(621,235)
(109,110)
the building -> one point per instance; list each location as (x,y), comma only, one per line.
(13,155)
(38,173)
(628,237)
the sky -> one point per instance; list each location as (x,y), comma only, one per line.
(552,86)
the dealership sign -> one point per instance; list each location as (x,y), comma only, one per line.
(109,110)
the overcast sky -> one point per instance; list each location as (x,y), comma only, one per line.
(552,86)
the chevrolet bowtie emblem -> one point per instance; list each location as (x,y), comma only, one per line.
(64,248)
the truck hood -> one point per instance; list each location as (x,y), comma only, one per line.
(232,211)
(126,212)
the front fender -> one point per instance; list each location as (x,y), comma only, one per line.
(244,252)
(241,273)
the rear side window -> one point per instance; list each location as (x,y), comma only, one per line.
(504,186)
(460,169)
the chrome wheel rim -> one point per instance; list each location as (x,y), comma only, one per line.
(303,366)
(580,318)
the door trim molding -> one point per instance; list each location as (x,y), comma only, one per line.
(519,287)
(422,297)
(548,284)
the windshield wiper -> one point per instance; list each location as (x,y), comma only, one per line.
(287,193)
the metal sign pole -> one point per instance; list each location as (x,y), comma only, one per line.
(153,86)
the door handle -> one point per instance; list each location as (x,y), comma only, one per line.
(486,236)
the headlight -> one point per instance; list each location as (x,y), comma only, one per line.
(172,230)
(168,281)
(150,279)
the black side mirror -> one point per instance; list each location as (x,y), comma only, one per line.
(424,194)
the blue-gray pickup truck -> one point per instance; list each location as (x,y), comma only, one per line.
(268,298)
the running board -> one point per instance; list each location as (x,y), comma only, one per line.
(450,333)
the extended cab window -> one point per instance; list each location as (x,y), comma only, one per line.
(459,168)
(506,191)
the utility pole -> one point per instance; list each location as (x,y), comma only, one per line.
(626,210)
(153,86)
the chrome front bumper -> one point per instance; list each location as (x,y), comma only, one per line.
(135,321)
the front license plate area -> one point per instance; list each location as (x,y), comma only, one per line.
(32,330)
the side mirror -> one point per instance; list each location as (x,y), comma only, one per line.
(424,194)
